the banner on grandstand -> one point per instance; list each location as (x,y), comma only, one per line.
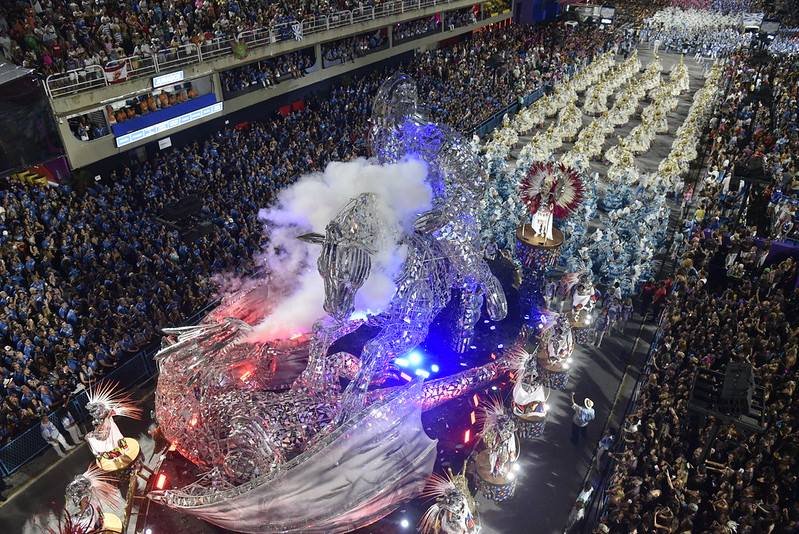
(116,72)
(296,27)
(752,20)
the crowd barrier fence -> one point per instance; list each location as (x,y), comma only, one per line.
(495,120)
(595,508)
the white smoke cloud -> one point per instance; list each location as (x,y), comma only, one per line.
(296,289)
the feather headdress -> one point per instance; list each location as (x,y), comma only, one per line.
(100,484)
(518,359)
(552,183)
(495,418)
(493,414)
(108,396)
(444,489)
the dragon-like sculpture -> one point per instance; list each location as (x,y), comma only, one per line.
(286,447)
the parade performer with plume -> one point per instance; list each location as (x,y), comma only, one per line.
(550,191)
(455,509)
(106,402)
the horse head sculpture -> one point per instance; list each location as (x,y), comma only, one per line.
(345,262)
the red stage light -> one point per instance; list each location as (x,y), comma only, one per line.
(467,436)
(245,375)
(476,400)
(473,417)
(406,376)
(160,482)
(193,420)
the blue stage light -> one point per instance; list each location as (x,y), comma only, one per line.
(401,362)
(422,373)
(415,357)
(434,368)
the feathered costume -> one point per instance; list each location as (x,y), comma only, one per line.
(455,510)
(106,401)
(550,190)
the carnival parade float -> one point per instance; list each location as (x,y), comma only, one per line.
(260,404)
(293,427)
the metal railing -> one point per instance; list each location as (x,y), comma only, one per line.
(92,77)
(26,446)
(132,373)
(75,81)
(595,508)
(488,125)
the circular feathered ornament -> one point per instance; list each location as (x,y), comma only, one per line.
(554,184)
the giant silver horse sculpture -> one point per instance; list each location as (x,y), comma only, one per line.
(285,449)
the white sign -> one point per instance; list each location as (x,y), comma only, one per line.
(161,127)
(166,142)
(167,79)
(116,73)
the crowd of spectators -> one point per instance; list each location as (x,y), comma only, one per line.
(635,11)
(267,72)
(756,131)
(468,83)
(349,49)
(733,299)
(747,481)
(415,29)
(57,36)
(461,17)
(89,276)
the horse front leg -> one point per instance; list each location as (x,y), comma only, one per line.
(469,307)
(397,338)
(321,372)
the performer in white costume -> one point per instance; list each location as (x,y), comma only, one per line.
(105,403)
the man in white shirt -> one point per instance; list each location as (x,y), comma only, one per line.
(71,427)
(53,437)
(582,416)
(578,511)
